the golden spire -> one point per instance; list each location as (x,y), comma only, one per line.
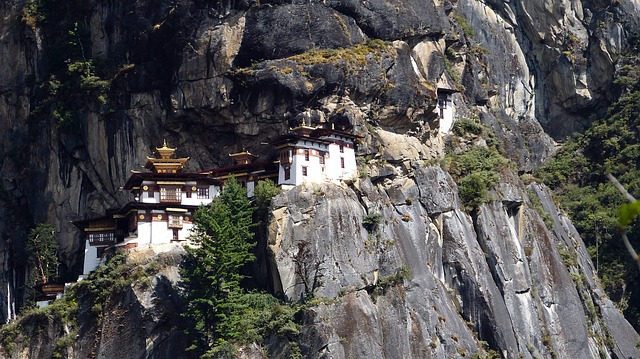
(165,164)
(164,151)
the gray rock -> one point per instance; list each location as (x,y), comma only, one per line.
(275,32)
(393,20)
(438,191)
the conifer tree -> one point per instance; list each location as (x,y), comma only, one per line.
(212,272)
(42,249)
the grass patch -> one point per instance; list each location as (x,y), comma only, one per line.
(465,26)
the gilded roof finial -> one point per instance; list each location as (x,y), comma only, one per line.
(165,151)
(165,164)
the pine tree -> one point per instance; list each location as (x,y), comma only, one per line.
(42,249)
(212,271)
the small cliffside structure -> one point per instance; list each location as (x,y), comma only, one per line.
(245,171)
(445,108)
(308,155)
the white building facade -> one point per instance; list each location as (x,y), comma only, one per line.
(311,155)
(162,212)
(445,109)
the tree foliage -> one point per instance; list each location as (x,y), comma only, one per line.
(264,191)
(212,272)
(222,313)
(476,171)
(42,251)
(597,209)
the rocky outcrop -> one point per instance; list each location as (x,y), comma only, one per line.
(387,270)
(137,320)
(560,56)
(496,277)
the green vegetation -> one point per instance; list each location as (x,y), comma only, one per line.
(222,312)
(211,273)
(96,290)
(453,74)
(113,278)
(32,13)
(537,206)
(371,221)
(42,252)
(73,83)
(62,313)
(465,125)
(263,192)
(475,171)
(353,57)
(392,280)
(465,26)
(475,168)
(577,176)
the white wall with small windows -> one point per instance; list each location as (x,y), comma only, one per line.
(445,111)
(314,161)
(190,193)
(341,162)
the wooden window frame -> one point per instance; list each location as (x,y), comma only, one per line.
(203,193)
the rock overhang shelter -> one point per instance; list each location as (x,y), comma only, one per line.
(166,197)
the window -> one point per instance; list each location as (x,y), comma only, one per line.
(341,148)
(442,102)
(304,170)
(285,157)
(287,173)
(175,221)
(321,158)
(170,194)
(341,162)
(175,235)
(203,193)
(306,155)
(101,238)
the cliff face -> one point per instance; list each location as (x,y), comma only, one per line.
(216,78)
(496,277)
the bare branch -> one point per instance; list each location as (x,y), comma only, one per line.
(620,188)
(630,198)
(632,251)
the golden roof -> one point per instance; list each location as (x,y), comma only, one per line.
(165,164)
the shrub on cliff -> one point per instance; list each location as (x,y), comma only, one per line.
(42,249)
(475,172)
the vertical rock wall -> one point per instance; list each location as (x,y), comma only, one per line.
(495,277)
